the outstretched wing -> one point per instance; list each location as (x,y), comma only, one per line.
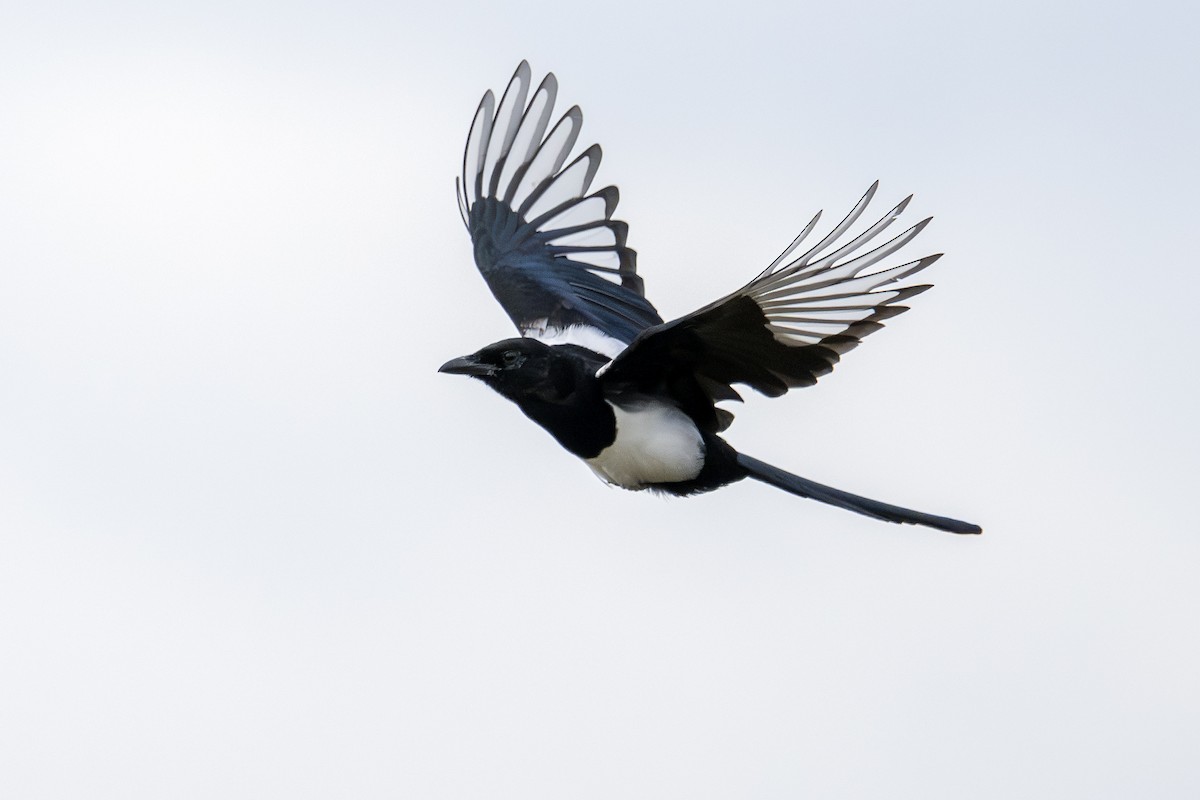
(784,329)
(550,252)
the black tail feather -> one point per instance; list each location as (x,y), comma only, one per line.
(836,497)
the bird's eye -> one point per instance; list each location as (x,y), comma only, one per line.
(511,358)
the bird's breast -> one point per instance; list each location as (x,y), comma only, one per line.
(655,443)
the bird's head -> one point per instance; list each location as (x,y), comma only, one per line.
(513,367)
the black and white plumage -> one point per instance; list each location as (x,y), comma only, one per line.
(596,366)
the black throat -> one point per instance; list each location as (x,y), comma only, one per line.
(569,403)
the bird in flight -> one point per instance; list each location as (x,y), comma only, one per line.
(597,367)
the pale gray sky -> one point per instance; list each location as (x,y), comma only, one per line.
(252,545)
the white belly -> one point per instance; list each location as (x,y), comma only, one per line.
(656,443)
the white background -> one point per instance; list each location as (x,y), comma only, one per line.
(252,545)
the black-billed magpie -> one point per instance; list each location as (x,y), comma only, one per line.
(597,367)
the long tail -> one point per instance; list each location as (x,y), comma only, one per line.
(836,497)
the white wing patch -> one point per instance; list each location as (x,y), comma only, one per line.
(587,336)
(656,443)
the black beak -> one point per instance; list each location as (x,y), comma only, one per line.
(467,365)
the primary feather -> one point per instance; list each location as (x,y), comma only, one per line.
(551,252)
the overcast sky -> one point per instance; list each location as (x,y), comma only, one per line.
(252,545)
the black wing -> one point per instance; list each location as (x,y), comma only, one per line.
(784,329)
(550,252)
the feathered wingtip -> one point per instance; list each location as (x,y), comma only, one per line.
(827,295)
(549,249)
